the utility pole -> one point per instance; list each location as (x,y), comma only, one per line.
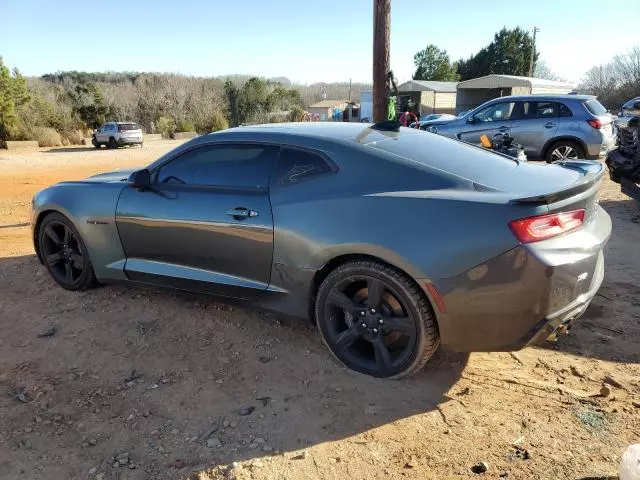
(349,89)
(381,67)
(533,51)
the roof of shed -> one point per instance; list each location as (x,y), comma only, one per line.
(506,81)
(328,103)
(426,85)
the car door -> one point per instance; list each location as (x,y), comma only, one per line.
(102,134)
(535,124)
(205,224)
(494,118)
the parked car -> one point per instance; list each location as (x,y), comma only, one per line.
(441,243)
(118,134)
(555,127)
(432,116)
(629,110)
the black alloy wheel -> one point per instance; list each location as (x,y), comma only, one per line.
(375,320)
(64,254)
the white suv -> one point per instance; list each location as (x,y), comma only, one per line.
(117,134)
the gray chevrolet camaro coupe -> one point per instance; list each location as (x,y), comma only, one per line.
(392,240)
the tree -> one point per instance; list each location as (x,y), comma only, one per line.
(616,82)
(542,70)
(508,54)
(13,95)
(434,64)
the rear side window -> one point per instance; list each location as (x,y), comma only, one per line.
(595,107)
(243,166)
(123,127)
(564,111)
(295,165)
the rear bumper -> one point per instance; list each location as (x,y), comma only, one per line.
(548,327)
(522,296)
(130,141)
(599,150)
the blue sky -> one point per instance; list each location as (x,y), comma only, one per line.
(304,40)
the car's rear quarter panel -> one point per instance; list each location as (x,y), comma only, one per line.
(434,231)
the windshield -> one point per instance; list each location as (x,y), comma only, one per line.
(595,107)
(461,159)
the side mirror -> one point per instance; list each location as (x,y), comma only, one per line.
(471,120)
(140,179)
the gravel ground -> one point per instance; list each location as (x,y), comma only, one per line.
(140,383)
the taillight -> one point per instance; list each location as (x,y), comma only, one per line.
(597,124)
(543,227)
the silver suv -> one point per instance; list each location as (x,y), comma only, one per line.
(552,127)
(117,134)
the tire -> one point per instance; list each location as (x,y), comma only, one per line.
(556,149)
(62,250)
(358,333)
(112,143)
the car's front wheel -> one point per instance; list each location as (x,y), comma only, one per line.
(64,253)
(112,143)
(376,320)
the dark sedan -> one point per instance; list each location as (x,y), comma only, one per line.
(391,240)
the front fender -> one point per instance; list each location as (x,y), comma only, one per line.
(91,208)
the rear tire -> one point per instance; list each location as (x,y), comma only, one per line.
(112,143)
(564,150)
(64,253)
(376,320)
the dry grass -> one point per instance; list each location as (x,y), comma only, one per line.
(46,137)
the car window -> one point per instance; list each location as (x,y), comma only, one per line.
(496,112)
(545,110)
(595,107)
(534,110)
(564,111)
(248,166)
(295,165)
(123,127)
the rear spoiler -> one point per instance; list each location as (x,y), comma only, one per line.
(592,171)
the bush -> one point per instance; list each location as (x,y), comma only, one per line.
(165,126)
(185,126)
(218,122)
(46,137)
(74,137)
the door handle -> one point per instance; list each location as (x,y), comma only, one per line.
(549,125)
(241,213)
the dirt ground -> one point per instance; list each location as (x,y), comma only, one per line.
(142,383)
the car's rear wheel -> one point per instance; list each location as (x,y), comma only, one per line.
(112,143)
(64,253)
(564,150)
(376,320)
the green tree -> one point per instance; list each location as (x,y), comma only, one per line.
(434,64)
(13,96)
(232,93)
(508,54)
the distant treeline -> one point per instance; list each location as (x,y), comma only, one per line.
(61,108)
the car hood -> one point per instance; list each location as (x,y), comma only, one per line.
(116,176)
(439,121)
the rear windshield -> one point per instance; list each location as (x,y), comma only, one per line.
(123,127)
(595,107)
(453,156)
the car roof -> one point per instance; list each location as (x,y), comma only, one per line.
(549,97)
(297,131)
(322,136)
